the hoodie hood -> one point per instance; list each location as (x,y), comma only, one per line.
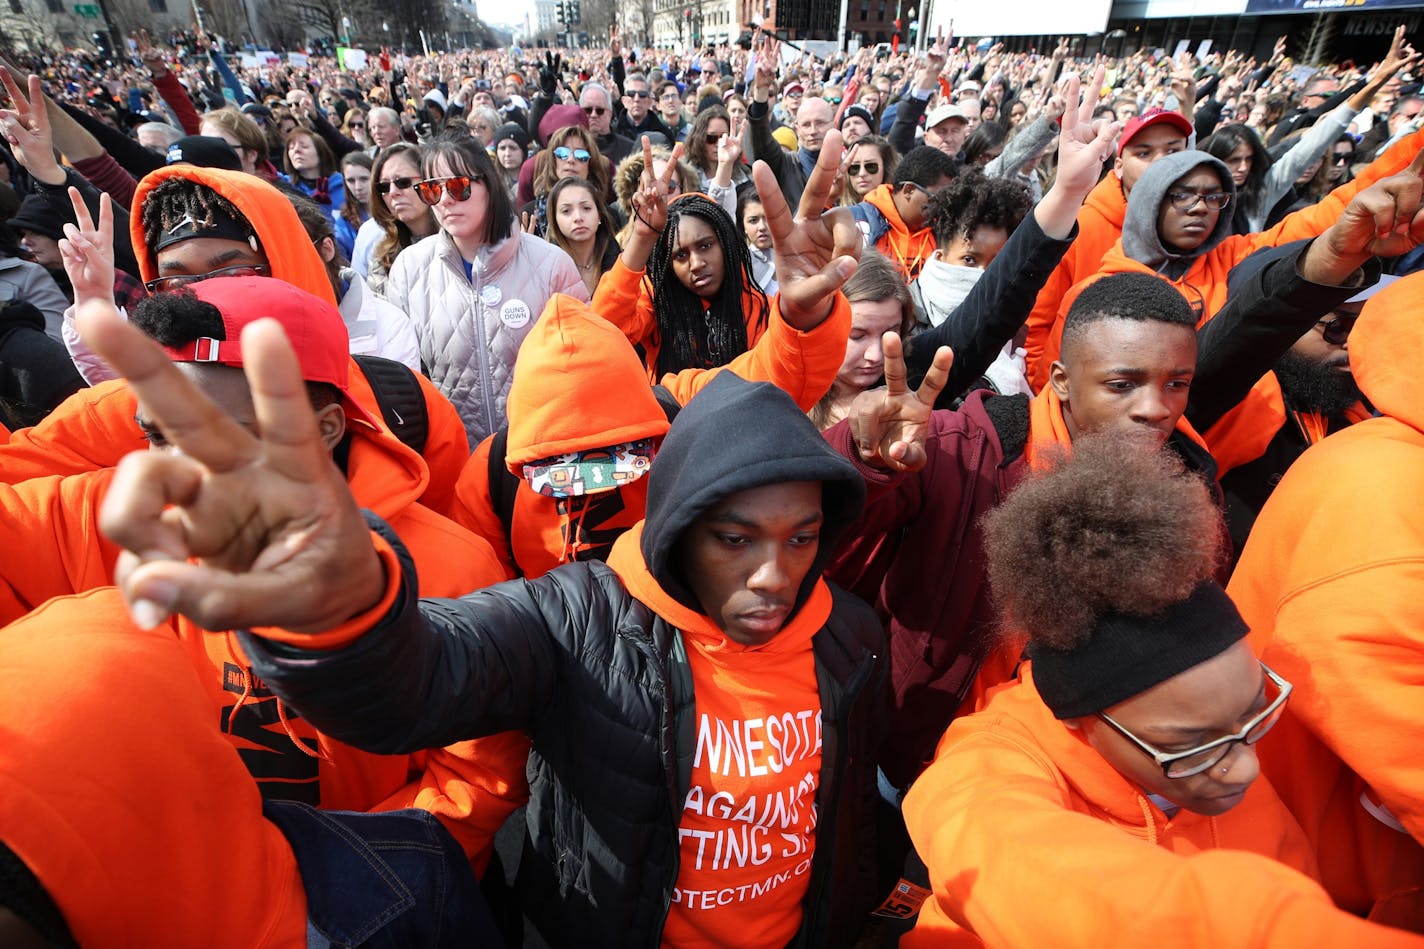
(1386,350)
(578,384)
(735,435)
(1140,239)
(291,256)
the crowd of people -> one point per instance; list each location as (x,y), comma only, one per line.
(615,497)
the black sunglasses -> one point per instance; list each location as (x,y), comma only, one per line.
(1337,330)
(399,184)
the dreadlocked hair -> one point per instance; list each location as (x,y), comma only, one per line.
(694,335)
(176,198)
(1115,528)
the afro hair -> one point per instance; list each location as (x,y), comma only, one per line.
(1115,529)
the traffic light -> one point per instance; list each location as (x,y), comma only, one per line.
(559,12)
(575,16)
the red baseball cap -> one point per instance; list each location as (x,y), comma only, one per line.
(313,326)
(1153,117)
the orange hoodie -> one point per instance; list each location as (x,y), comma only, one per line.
(1330,582)
(94,428)
(112,780)
(1206,280)
(1242,435)
(1032,839)
(909,250)
(748,824)
(1099,228)
(625,299)
(559,402)
(473,786)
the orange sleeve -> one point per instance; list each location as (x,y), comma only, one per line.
(447,447)
(1038,350)
(1314,220)
(1353,638)
(473,507)
(1011,862)
(473,787)
(54,522)
(624,299)
(91,429)
(804,364)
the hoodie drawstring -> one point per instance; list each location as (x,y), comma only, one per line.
(573,529)
(248,686)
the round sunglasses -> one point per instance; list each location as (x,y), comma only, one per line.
(457,186)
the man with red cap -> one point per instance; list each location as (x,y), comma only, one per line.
(1146,138)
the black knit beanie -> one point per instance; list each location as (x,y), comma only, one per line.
(1127,655)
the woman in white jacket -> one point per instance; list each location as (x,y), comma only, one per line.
(474,290)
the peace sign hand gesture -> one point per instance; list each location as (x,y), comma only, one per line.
(729,146)
(234,530)
(890,425)
(650,200)
(26,128)
(816,252)
(88,250)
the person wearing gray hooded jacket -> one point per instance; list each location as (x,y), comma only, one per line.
(474,289)
(1178,224)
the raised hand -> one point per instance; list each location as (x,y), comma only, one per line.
(816,252)
(650,200)
(615,43)
(1384,220)
(234,530)
(768,63)
(729,146)
(88,250)
(1081,151)
(890,425)
(26,128)
(151,55)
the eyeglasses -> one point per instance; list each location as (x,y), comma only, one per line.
(638,94)
(1186,200)
(178,281)
(1336,330)
(794,94)
(457,186)
(835,101)
(398,184)
(563,153)
(1184,764)
(594,110)
(1344,158)
(869,167)
(357,125)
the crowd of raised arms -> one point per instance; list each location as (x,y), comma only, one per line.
(623,498)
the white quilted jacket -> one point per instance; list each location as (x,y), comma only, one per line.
(470,330)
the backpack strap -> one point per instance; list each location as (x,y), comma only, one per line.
(503,487)
(400,398)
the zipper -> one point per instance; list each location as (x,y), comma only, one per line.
(825,845)
(473,287)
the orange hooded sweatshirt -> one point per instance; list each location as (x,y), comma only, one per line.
(94,428)
(559,402)
(1330,582)
(625,299)
(1206,280)
(472,786)
(908,249)
(1032,839)
(1099,228)
(112,780)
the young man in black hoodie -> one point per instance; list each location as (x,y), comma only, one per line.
(704,710)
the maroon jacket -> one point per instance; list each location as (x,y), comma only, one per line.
(917,554)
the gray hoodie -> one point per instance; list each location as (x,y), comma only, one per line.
(1140,239)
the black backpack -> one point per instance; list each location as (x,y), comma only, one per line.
(400,397)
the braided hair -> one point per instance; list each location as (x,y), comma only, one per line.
(176,198)
(695,336)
